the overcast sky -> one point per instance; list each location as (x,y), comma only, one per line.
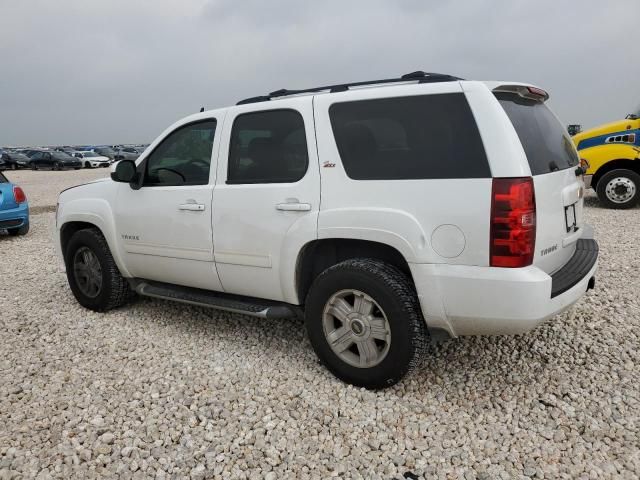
(120,71)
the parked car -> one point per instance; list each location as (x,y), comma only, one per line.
(14,208)
(53,160)
(128,153)
(15,160)
(91,159)
(3,164)
(105,152)
(423,206)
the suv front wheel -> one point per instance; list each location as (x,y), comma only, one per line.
(92,273)
(364,322)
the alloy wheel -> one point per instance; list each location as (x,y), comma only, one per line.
(356,328)
(87,272)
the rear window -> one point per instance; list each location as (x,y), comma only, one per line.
(419,137)
(544,139)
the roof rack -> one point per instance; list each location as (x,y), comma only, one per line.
(419,76)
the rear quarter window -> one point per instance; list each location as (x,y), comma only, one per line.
(418,137)
(546,143)
(3,179)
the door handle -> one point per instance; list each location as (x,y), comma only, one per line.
(193,207)
(294,207)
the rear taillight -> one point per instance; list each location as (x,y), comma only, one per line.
(18,195)
(513,222)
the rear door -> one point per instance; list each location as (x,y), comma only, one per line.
(553,160)
(267,196)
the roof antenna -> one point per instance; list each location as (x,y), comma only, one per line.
(201,109)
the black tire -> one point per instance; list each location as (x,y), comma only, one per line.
(23,230)
(56,166)
(115,290)
(395,294)
(77,168)
(33,166)
(87,165)
(625,177)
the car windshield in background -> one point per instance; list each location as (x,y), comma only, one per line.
(90,154)
(18,156)
(546,143)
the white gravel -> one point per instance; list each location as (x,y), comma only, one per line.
(161,390)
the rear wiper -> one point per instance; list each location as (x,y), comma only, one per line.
(553,166)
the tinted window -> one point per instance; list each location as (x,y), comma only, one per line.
(3,179)
(547,145)
(183,157)
(268,147)
(428,136)
(60,156)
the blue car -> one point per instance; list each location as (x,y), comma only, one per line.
(14,209)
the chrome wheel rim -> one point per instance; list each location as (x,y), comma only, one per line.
(356,328)
(88,272)
(620,189)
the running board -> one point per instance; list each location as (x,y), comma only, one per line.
(222,301)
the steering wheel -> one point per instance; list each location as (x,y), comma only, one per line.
(172,171)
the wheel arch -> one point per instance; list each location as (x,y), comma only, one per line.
(619,163)
(95,213)
(318,255)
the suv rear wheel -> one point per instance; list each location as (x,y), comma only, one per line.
(619,188)
(92,273)
(364,322)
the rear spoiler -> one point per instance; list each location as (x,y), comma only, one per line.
(525,91)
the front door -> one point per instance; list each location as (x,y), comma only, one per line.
(165,226)
(267,196)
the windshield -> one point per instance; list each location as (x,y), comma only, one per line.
(546,143)
(89,154)
(60,156)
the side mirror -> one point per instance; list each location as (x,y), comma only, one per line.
(125,172)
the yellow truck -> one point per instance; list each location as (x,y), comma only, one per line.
(611,155)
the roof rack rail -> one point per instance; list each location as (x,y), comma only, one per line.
(419,76)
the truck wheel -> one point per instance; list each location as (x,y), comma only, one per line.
(23,230)
(364,322)
(618,188)
(92,273)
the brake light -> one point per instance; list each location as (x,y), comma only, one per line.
(537,91)
(18,194)
(513,222)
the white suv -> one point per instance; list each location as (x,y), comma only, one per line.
(385,212)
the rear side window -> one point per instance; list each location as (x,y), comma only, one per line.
(3,179)
(544,139)
(420,137)
(268,147)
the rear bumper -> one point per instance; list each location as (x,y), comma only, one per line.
(15,217)
(468,300)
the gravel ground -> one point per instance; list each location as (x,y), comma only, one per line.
(162,390)
(43,186)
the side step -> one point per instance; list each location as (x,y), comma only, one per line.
(222,301)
